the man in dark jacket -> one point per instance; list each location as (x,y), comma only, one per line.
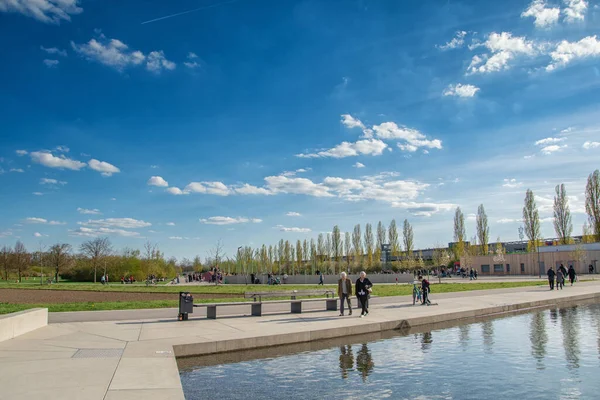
(363,288)
(571,274)
(551,275)
(344,292)
(425,290)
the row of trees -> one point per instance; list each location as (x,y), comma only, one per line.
(96,258)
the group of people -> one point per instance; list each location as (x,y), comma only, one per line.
(560,275)
(362,289)
(421,289)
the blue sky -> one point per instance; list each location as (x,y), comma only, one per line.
(252,120)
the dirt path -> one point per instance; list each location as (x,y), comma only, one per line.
(25,296)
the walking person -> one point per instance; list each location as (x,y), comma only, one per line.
(572,274)
(363,288)
(551,276)
(344,292)
(560,278)
(320,278)
(425,288)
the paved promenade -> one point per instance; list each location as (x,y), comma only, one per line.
(135,359)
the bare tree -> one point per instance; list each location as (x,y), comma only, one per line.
(562,215)
(369,244)
(592,202)
(5,254)
(408,238)
(217,253)
(60,257)
(531,220)
(21,258)
(393,239)
(357,244)
(321,250)
(96,250)
(483,230)
(313,256)
(347,248)
(336,245)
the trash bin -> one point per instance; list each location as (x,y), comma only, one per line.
(186,305)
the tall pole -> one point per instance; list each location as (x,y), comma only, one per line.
(538,251)
(41,264)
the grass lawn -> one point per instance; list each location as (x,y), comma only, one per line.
(379,290)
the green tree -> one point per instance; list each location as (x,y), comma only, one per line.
(460,233)
(592,203)
(20,258)
(5,255)
(60,257)
(336,246)
(357,245)
(531,220)
(562,215)
(347,249)
(483,230)
(369,245)
(408,238)
(96,250)
(393,239)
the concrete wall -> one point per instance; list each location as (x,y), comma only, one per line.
(530,262)
(328,279)
(19,323)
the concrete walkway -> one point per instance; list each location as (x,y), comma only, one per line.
(135,359)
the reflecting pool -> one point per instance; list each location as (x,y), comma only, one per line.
(547,354)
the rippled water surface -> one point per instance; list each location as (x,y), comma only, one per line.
(549,354)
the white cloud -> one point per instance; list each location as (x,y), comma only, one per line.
(284,184)
(117,55)
(48,11)
(176,191)
(511,183)
(192,63)
(358,165)
(229,220)
(471,217)
(293,214)
(461,90)
(94,211)
(47,159)
(457,41)
(413,138)
(178,238)
(170,224)
(157,181)
(295,230)
(503,47)
(125,223)
(62,149)
(51,63)
(567,130)
(154,166)
(350,122)
(157,62)
(529,156)
(191,55)
(37,234)
(38,193)
(373,147)
(105,168)
(21,152)
(101,231)
(247,189)
(216,188)
(543,16)
(552,149)
(54,50)
(575,10)
(16,170)
(549,140)
(48,181)
(35,220)
(424,209)
(591,145)
(567,52)
(113,199)
(508,220)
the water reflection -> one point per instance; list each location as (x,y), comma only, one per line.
(426,340)
(538,338)
(346,360)
(364,362)
(488,336)
(463,336)
(554,316)
(569,323)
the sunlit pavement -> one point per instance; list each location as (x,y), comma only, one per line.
(135,359)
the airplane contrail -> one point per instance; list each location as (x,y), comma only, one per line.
(190,11)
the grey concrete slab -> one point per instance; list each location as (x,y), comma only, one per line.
(146,373)
(145,394)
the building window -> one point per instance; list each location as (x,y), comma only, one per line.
(507,268)
(485,269)
(522,268)
(498,268)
